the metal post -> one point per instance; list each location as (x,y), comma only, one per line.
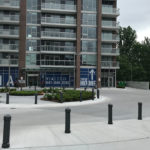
(67,120)
(36,95)
(7,98)
(8,73)
(92,93)
(61,97)
(35,87)
(80,96)
(139,111)
(110,117)
(6,131)
(97,93)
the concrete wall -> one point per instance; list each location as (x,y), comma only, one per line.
(138,85)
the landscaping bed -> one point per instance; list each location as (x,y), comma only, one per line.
(67,95)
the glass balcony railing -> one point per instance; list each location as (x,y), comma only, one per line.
(49,6)
(110,64)
(57,48)
(53,20)
(9,18)
(112,37)
(57,63)
(110,10)
(6,62)
(111,51)
(110,24)
(58,34)
(9,47)
(9,32)
(10,3)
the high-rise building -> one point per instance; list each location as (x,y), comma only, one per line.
(71,43)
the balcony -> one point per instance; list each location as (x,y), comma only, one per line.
(9,47)
(110,12)
(51,21)
(57,63)
(106,38)
(58,35)
(53,48)
(110,25)
(110,64)
(9,33)
(6,62)
(110,51)
(56,7)
(10,4)
(10,19)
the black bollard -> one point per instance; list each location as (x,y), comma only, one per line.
(92,93)
(67,120)
(61,97)
(97,93)
(36,96)
(110,117)
(80,96)
(6,131)
(7,98)
(139,111)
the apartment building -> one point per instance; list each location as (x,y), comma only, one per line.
(59,43)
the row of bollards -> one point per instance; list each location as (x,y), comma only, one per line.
(35,102)
(7,120)
(61,96)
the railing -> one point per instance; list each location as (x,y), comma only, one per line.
(112,37)
(9,18)
(57,48)
(110,64)
(88,63)
(11,47)
(113,24)
(110,51)
(9,32)
(10,3)
(58,6)
(110,10)
(57,62)
(6,62)
(57,20)
(58,34)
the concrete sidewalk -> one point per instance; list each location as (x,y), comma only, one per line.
(122,135)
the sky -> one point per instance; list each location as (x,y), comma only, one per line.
(135,13)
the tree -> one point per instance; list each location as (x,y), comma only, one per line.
(132,56)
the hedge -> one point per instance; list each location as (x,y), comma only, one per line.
(4,90)
(25,93)
(68,96)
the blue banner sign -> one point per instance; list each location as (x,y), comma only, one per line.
(4,73)
(87,77)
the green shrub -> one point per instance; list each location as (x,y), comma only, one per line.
(24,93)
(69,95)
(121,84)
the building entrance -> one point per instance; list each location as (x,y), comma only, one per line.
(33,80)
(110,82)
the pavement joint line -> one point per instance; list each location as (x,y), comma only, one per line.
(89,144)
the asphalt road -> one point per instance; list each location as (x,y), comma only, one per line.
(125,104)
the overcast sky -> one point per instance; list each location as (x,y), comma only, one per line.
(135,13)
